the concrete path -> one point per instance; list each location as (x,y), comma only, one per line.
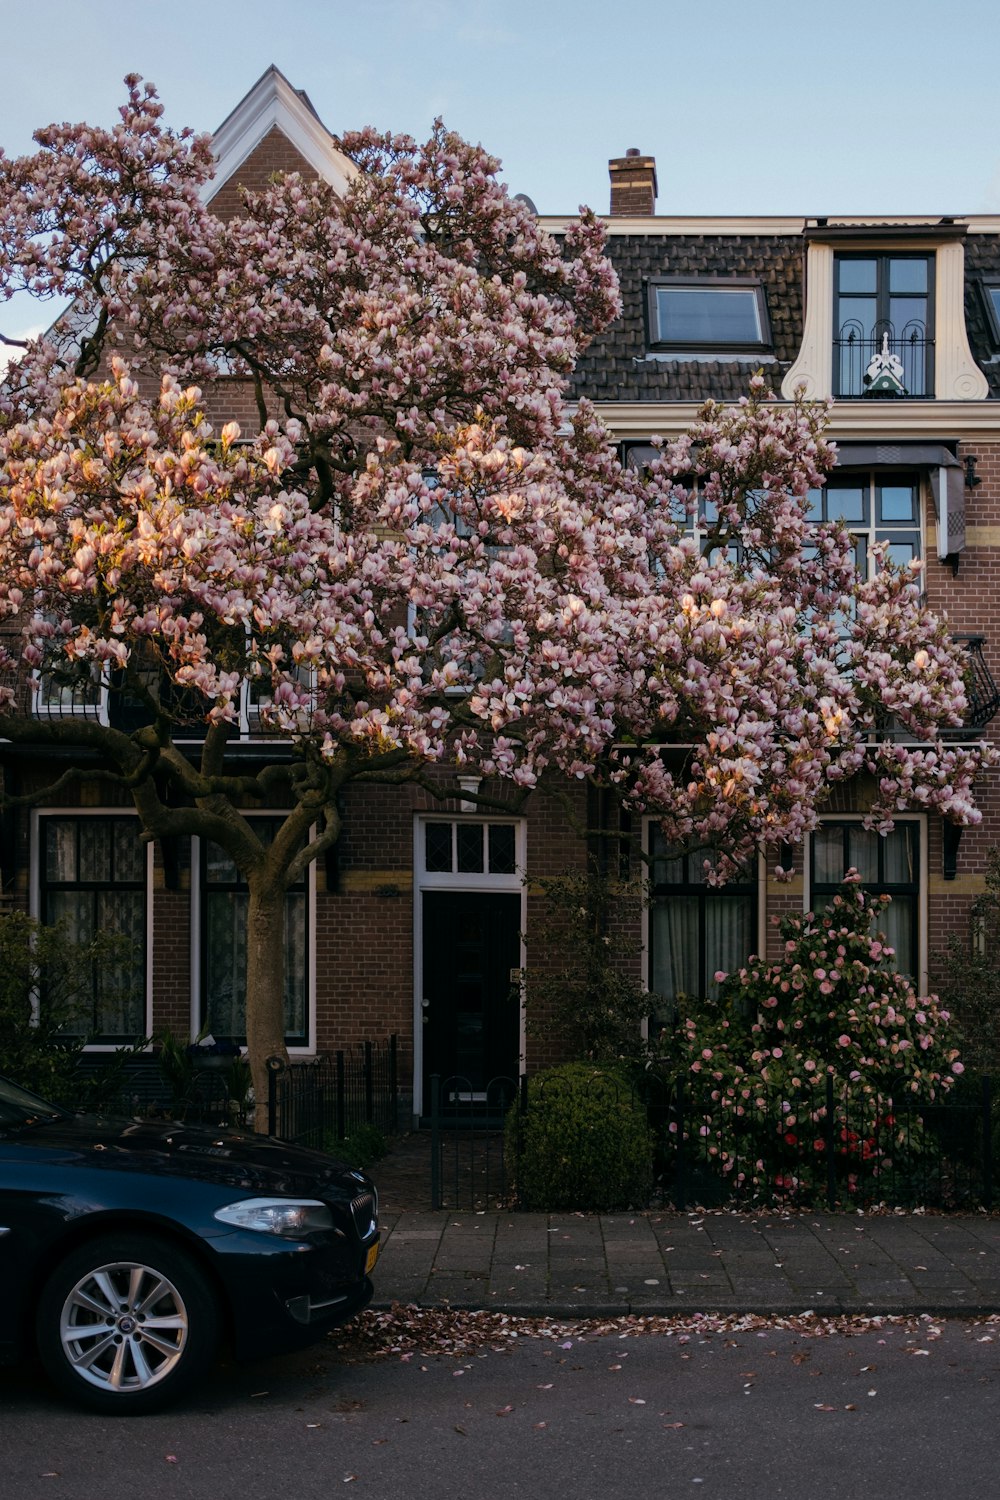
(603,1265)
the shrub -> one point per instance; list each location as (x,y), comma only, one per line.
(757,1061)
(583,1144)
(41,1043)
(361,1147)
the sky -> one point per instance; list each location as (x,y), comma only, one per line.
(774,107)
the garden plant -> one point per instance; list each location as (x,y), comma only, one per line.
(831,1024)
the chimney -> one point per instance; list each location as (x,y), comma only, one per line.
(633,184)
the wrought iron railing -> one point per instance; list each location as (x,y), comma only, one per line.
(321,1102)
(839,1145)
(981,691)
(859,353)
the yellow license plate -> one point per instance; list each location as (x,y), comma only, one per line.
(371,1258)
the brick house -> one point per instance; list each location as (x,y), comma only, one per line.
(415,925)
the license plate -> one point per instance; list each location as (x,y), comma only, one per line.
(371,1258)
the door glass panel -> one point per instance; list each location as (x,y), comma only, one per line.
(437,848)
(502,853)
(470,847)
(859,314)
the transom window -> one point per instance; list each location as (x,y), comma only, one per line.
(224,904)
(460,847)
(699,313)
(695,930)
(883,303)
(92,878)
(888,864)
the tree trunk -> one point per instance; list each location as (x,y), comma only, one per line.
(265,998)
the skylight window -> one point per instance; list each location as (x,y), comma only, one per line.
(991,297)
(695,314)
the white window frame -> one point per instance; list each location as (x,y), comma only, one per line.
(35,902)
(470,881)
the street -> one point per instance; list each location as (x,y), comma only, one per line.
(903,1408)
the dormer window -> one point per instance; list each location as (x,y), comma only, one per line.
(883,325)
(701,314)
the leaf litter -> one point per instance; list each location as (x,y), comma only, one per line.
(404,1330)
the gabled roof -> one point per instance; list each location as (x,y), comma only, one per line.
(274,103)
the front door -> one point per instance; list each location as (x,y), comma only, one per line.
(471,1010)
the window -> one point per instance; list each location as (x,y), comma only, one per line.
(876,507)
(470,848)
(695,929)
(991,301)
(883,325)
(92,878)
(224,902)
(697,313)
(889,864)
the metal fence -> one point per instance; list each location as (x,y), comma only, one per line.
(468,1166)
(839,1145)
(322,1101)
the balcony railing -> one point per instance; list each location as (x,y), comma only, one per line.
(981,691)
(880,362)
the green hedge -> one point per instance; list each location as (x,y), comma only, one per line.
(583,1144)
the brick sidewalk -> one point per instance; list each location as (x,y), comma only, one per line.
(606,1265)
(599,1265)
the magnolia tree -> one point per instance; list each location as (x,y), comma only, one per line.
(421,559)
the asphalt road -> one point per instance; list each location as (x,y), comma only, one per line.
(901,1413)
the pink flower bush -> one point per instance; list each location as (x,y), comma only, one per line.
(864,1036)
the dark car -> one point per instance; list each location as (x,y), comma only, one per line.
(129,1249)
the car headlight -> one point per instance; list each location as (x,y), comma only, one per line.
(289,1216)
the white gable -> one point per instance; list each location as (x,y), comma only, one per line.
(273,102)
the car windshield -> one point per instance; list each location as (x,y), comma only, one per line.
(18,1107)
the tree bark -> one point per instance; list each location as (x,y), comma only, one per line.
(265,996)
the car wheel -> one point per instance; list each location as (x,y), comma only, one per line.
(126,1323)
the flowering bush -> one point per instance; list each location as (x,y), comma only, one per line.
(818,1058)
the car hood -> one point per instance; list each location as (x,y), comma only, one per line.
(167,1148)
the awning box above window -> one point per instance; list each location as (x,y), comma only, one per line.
(946,475)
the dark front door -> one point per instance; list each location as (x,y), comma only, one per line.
(471,1004)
